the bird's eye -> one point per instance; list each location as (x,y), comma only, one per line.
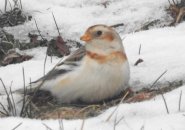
(99,33)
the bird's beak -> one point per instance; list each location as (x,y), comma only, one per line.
(86,37)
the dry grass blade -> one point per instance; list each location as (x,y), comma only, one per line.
(109,117)
(24,95)
(10,5)
(17,126)
(165,103)
(115,120)
(56,24)
(158,79)
(29,100)
(85,108)
(5,6)
(1,11)
(47,47)
(174,2)
(120,120)
(169,2)
(82,126)
(20,1)
(61,125)
(14,111)
(139,49)
(47,127)
(180,98)
(4,109)
(10,105)
(45,59)
(142,127)
(60,121)
(38,30)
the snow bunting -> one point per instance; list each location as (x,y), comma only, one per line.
(95,72)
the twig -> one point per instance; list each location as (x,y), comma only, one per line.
(165,103)
(109,117)
(56,24)
(180,98)
(17,126)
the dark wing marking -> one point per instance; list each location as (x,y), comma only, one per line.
(72,61)
(74,57)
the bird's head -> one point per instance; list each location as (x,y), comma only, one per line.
(102,39)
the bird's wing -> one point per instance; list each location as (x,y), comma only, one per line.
(69,64)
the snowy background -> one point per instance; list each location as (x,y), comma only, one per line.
(162,48)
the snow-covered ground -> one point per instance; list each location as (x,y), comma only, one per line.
(161,49)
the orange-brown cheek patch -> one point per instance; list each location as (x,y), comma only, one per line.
(116,57)
(108,37)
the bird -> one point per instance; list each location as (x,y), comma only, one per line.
(97,71)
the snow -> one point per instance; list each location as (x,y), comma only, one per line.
(161,49)
(74,16)
(151,115)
